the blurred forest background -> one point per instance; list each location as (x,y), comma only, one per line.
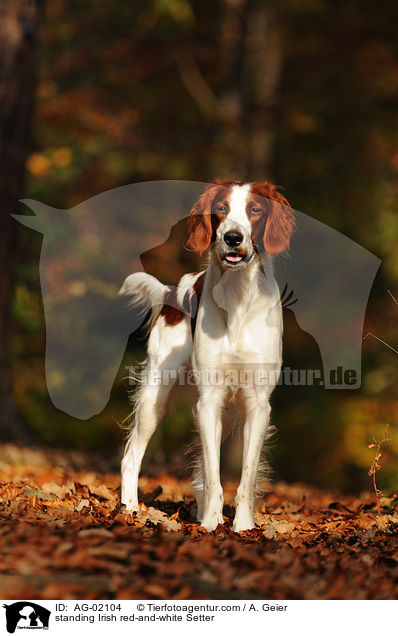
(100,94)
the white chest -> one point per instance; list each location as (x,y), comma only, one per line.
(239,326)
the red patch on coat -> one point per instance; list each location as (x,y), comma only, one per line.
(169,311)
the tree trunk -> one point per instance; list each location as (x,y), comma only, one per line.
(18,28)
(251,55)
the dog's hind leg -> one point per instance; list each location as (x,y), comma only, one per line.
(169,349)
(150,409)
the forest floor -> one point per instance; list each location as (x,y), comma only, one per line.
(64,535)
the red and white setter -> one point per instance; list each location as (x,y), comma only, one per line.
(225,324)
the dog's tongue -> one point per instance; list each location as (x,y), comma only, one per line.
(233,259)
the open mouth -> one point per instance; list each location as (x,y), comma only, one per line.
(234,258)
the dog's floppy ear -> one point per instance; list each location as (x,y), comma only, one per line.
(200,226)
(278,228)
(280,222)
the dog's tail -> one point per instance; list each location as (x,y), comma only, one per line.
(147,293)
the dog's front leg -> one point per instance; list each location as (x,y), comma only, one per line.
(210,428)
(257,420)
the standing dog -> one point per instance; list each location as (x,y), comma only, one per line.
(237,327)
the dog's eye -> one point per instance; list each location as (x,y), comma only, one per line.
(221,209)
(256,211)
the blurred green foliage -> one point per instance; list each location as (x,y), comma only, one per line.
(117,103)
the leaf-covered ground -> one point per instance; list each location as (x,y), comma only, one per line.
(64,535)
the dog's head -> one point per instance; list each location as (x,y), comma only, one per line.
(240,220)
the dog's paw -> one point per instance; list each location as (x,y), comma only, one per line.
(210,522)
(130,506)
(241,524)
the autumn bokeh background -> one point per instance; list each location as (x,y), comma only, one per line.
(106,93)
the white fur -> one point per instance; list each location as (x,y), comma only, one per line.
(239,328)
(146,291)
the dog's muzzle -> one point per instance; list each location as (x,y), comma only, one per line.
(236,252)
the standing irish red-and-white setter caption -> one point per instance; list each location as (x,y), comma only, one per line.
(221,323)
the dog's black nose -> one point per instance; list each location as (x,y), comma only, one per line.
(233,239)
